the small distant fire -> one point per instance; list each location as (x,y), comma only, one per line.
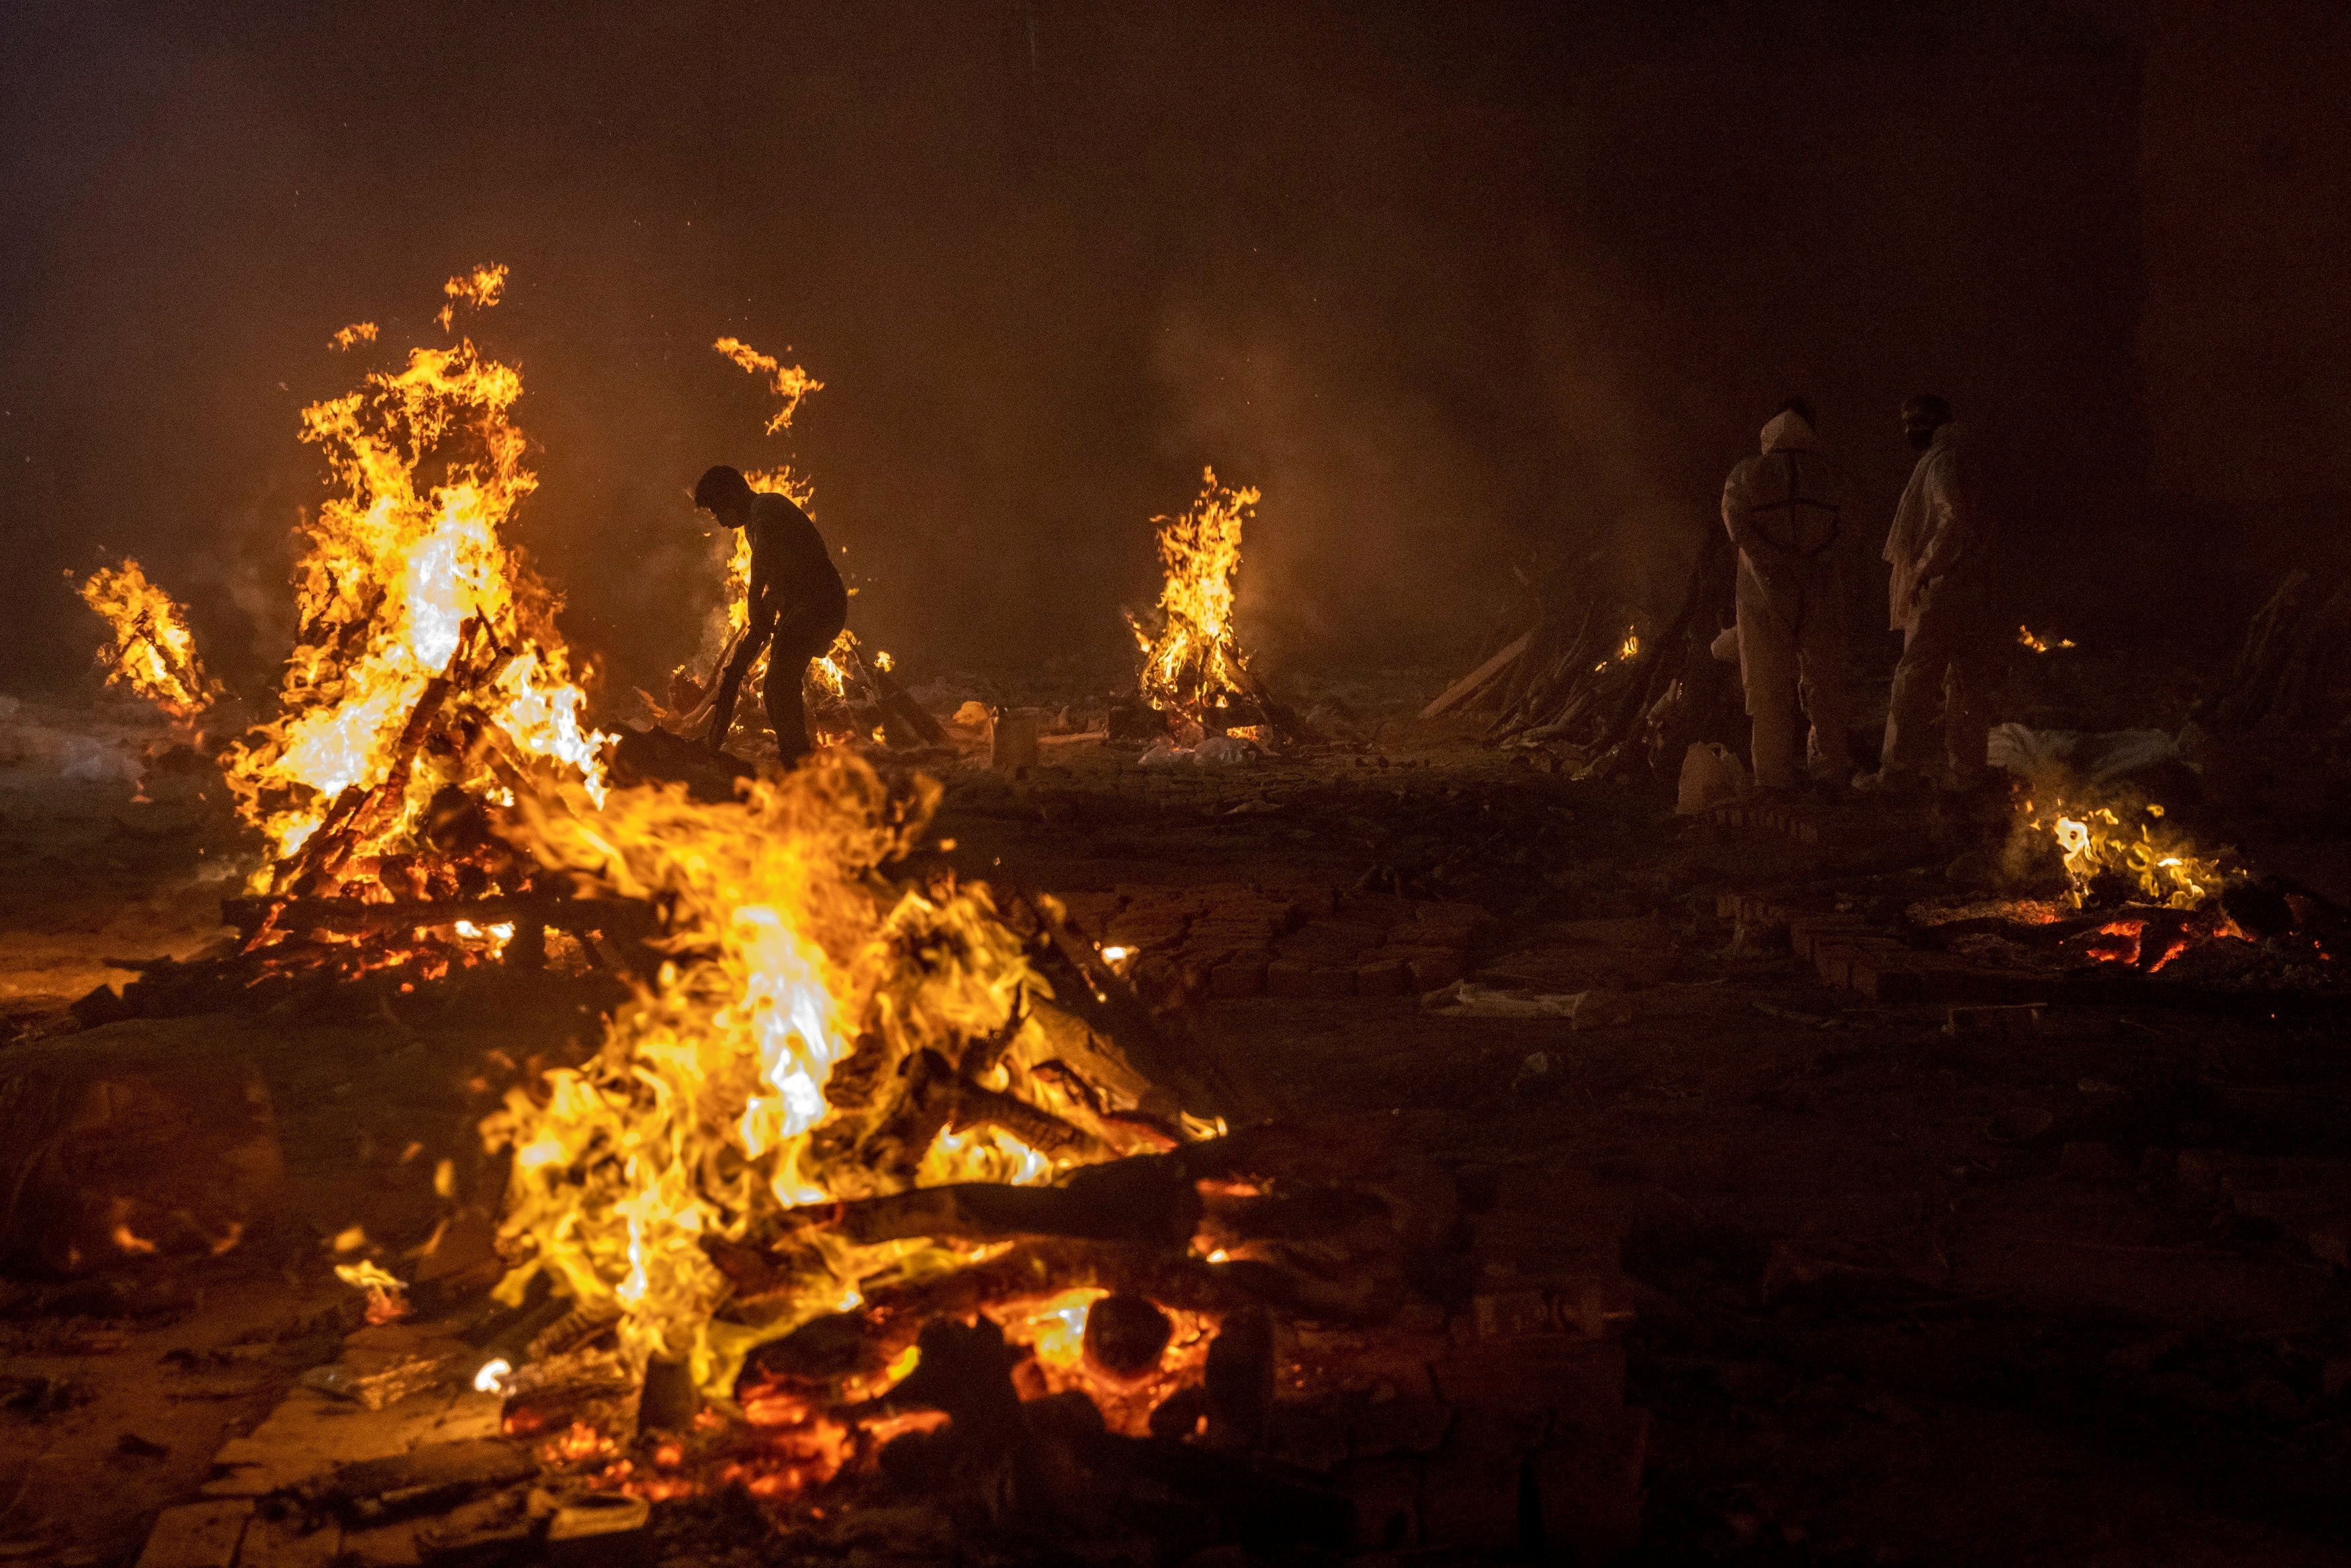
(1192,665)
(1626,651)
(2039,642)
(153,652)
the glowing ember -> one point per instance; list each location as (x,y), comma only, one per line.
(1194,661)
(426,655)
(2162,865)
(386,1295)
(154,654)
(1055,1329)
(2039,642)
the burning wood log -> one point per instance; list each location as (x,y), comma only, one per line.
(294,916)
(1146,1198)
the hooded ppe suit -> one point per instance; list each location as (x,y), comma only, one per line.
(1940,548)
(1783,509)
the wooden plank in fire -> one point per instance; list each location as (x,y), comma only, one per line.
(1477,679)
(626,917)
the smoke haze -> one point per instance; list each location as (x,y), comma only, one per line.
(1461,289)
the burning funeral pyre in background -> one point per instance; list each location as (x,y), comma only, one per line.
(1583,684)
(1194,675)
(891,1180)
(850,695)
(154,653)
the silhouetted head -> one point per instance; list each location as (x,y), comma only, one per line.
(1922,416)
(724,494)
(1800,409)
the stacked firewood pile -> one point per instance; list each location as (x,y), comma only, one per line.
(1322,1387)
(2292,673)
(1585,682)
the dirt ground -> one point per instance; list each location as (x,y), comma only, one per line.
(1896,1295)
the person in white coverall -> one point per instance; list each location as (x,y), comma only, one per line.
(1784,511)
(1941,551)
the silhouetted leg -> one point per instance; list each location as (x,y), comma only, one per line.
(1828,692)
(1914,704)
(787,712)
(1767,667)
(1966,713)
(722,715)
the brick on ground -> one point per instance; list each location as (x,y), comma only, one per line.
(282,1541)
(1291,977)
(1237,978)
(310,1433)
(1330,942)
(197,1534)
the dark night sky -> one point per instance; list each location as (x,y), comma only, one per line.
(1456,285)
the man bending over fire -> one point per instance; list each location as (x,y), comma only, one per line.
(798,605)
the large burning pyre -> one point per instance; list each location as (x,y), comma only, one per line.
(824,1081)
(427,675)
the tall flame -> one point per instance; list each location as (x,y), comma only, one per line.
(712,1104)
(406,580)
(153,652)
(1193,659)
(788,382)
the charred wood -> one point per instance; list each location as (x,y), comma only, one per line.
(1147,1198)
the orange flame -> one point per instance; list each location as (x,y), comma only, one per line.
(708,1109)
(1193,659)
(154,654)
(788,382)
(406,580)
(2135,842)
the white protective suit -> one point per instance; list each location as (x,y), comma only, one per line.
(1783,509)
(1940,549)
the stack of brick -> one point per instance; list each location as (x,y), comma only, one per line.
(1787,820)
(1228,939)
(1853,955)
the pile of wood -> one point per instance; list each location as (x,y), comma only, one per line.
(869,701)
(1567,685)
(2292,673)
(1342,1403)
